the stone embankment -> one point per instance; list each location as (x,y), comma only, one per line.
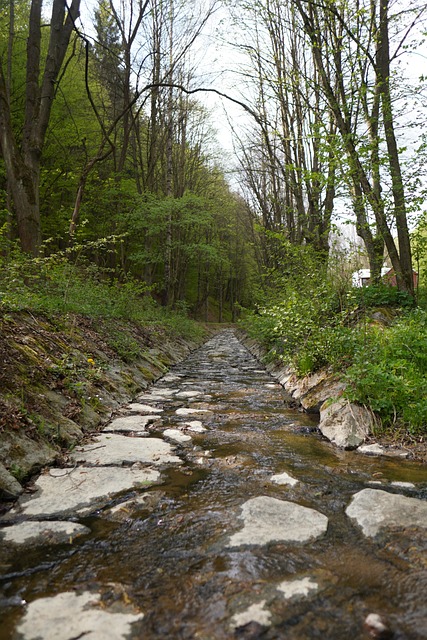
(61,378)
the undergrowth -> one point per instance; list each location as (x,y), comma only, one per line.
(69,282)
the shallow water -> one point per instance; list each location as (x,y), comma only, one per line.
(170,559)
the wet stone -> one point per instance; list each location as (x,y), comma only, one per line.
(170,377)
(189,394)
(187,411)
(81,490)
(195,425)
(371,449)
(130,423)
(138,407)
(117,450)
(41,533)
(271,520)
(68,616)
(166,392)
(124,510)
(374,510)
(284,478)
(176,435)
(299,588)
(255,613)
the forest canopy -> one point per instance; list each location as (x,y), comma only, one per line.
(104,134)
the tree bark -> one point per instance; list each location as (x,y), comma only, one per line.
(23,157)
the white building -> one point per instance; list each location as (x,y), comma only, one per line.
(362,277)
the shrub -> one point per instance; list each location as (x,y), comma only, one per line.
(391,379)
(379,295)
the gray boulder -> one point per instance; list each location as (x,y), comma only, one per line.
(9,485)
(373,510)
(345,424)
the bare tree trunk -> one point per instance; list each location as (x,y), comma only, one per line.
(405,278)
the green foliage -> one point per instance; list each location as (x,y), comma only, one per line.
(310,325)
(379,295)
(67,282)
(392,377)
(293,328)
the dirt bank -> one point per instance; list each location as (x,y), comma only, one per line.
(63,376)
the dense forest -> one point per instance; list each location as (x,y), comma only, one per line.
(113,186)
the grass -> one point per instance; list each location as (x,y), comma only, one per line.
(54,285)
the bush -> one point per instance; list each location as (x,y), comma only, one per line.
(306,326)
(391,379)
(379,295)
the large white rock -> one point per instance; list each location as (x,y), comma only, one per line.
(130,423)
(271,520)
(68,615)
(81,490)
(111,449)
(345,424)
(42,533)
(373,510)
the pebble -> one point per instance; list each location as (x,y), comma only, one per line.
(377,627)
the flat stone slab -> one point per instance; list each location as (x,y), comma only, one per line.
(113,449)
(255,613)
(186,411)
(81,490)
(284,478)
(138,407)
(299,588)
(176,435)
(403,485)
(373,510)
(271,520)
(170,377)
(189,394)
(68,615)
(195,425)
(165,391)
(371,449)
(130,423)
(42,533)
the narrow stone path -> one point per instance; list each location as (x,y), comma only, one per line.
(209,510)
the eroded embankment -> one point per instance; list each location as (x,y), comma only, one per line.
(65,375)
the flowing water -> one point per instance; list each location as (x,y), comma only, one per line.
(170,558)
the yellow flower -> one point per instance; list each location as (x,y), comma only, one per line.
(91,361)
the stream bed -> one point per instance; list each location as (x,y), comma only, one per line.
(168,553)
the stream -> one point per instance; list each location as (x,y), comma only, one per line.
(169,555)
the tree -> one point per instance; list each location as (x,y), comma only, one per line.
(22,151)
(335,23)
(288,157)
